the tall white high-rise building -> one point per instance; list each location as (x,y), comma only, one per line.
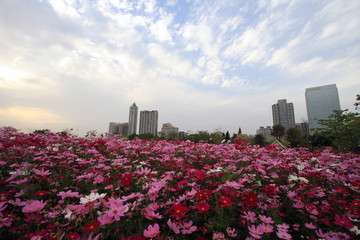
(132,119)
(283,114)
(148,122)
(320,103)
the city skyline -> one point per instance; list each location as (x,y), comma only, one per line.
(204,65)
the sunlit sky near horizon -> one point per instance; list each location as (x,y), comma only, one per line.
(204,65)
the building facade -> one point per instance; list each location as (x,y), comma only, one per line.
(265,132)
(132,120)
(283,114)
(320,103)
(168,128)
(148,122)
(118,128)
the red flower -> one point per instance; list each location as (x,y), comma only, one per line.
(224,201)
(203,194)
(126,179)
(202,207)
(343,221)
(90,227)
(250,200)
(73,235)
(178,210)
(40,193)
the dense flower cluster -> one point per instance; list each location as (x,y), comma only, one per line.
(60,186)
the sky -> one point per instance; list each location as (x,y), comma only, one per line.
(204,65)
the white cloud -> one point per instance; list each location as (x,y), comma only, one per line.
(159,29)
(251,46)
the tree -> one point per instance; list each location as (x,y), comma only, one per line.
(293,135)
(343,127)
(357,103)
(278,131)
(227,136)
(239,131)
(259,139)
(42,131)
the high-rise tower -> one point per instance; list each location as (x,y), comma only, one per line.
(283,114)
(320,103)
(148,122)
(132,119)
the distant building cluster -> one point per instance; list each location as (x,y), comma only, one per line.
(320,103)
(148,124)
(168,129)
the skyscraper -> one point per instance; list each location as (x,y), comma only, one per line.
(132,119)
(320,103)
(283,114)
(148,122)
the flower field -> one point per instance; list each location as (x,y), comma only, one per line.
(60,186)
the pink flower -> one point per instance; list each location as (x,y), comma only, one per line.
(267,228)
(283,235)
(152,231)
(116,211)
(218,236)
(320,233)
(105,219)
(187,228)
(256,232)
(283,227)
(173,226)
(250,216)
(266,219)
(5,222)
(33,206)
(231,232)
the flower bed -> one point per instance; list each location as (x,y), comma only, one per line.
(59,186)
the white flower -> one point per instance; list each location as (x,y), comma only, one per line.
(293,178)
(91,197)
(355,230)
(304,180)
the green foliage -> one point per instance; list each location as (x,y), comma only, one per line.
(259,140)
(147,136)
(293,135)
(278,131)
(343,128)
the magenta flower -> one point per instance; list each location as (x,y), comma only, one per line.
(310,225)
(152,231)
(33,206)
(42,172)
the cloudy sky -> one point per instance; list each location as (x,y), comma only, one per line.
(204,65)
